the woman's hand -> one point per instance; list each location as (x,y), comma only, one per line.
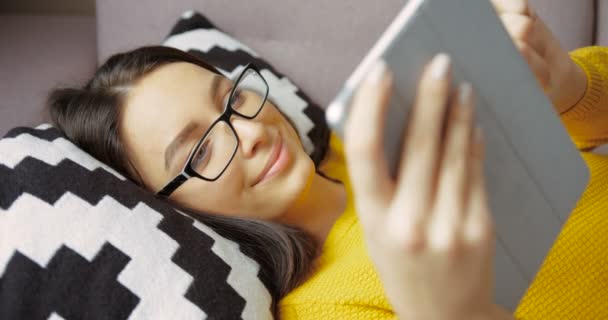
(562,79)
(430,233)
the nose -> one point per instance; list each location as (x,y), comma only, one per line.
(252,135)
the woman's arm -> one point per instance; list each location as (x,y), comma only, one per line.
(572,90)
(576,83)
(587,119)
(561,79)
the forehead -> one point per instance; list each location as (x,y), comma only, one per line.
(162,102)
(176,76)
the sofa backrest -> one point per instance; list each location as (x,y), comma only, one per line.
(317,43)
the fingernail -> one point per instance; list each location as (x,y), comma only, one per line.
(440,66)
(465,94)
(376,73)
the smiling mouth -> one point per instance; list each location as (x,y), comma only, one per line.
(272,159)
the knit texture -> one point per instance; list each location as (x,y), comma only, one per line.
(587,120)
(345,284)
(573,280)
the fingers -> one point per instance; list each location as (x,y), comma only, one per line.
(478,226)
(363,140)
(522,28)
(514,6)
(537,64)
(532,38)
(420,155)
(454,183)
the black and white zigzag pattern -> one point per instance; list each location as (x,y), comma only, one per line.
(78,241)
(197,35)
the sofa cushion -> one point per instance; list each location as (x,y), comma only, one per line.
(317,43)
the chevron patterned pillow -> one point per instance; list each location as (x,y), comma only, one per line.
(78,241)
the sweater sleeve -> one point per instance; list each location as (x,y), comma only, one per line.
(587,121)
(336,311)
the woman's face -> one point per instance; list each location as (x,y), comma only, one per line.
(182,98)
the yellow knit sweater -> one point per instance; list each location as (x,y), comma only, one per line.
(573,280)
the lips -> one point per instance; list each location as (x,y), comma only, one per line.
(274,155)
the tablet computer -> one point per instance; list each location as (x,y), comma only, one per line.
(535,175)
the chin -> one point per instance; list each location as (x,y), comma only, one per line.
(304,173)
(283,194)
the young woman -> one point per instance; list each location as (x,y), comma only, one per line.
(220,149)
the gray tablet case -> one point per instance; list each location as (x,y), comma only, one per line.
(534,173)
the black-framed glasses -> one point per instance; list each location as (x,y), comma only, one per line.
(213,153)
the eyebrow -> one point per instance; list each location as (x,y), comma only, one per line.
(186,131)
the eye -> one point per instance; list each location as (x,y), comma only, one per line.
(202,155)
(238,99)
(225,96)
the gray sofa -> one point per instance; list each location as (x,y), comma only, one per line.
(316,43)
(38,53)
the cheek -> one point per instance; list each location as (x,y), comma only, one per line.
(220,196)
(229,195)
(278,118)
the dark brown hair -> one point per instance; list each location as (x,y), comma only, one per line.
(89,117)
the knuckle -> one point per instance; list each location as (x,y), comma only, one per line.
(387,82)
(543,77)
(423,139)
(524,4)
(457,148)
(419,142)
(523,29)
(433,91)
(411,240)
(446,240)
(480,233)
(524,49)
(460,122)
(460,116)
(413,245)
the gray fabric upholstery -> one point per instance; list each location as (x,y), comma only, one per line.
(37,54)
(571,20)
(317,43)
(602,22)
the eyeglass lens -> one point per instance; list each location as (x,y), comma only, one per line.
(215,152)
